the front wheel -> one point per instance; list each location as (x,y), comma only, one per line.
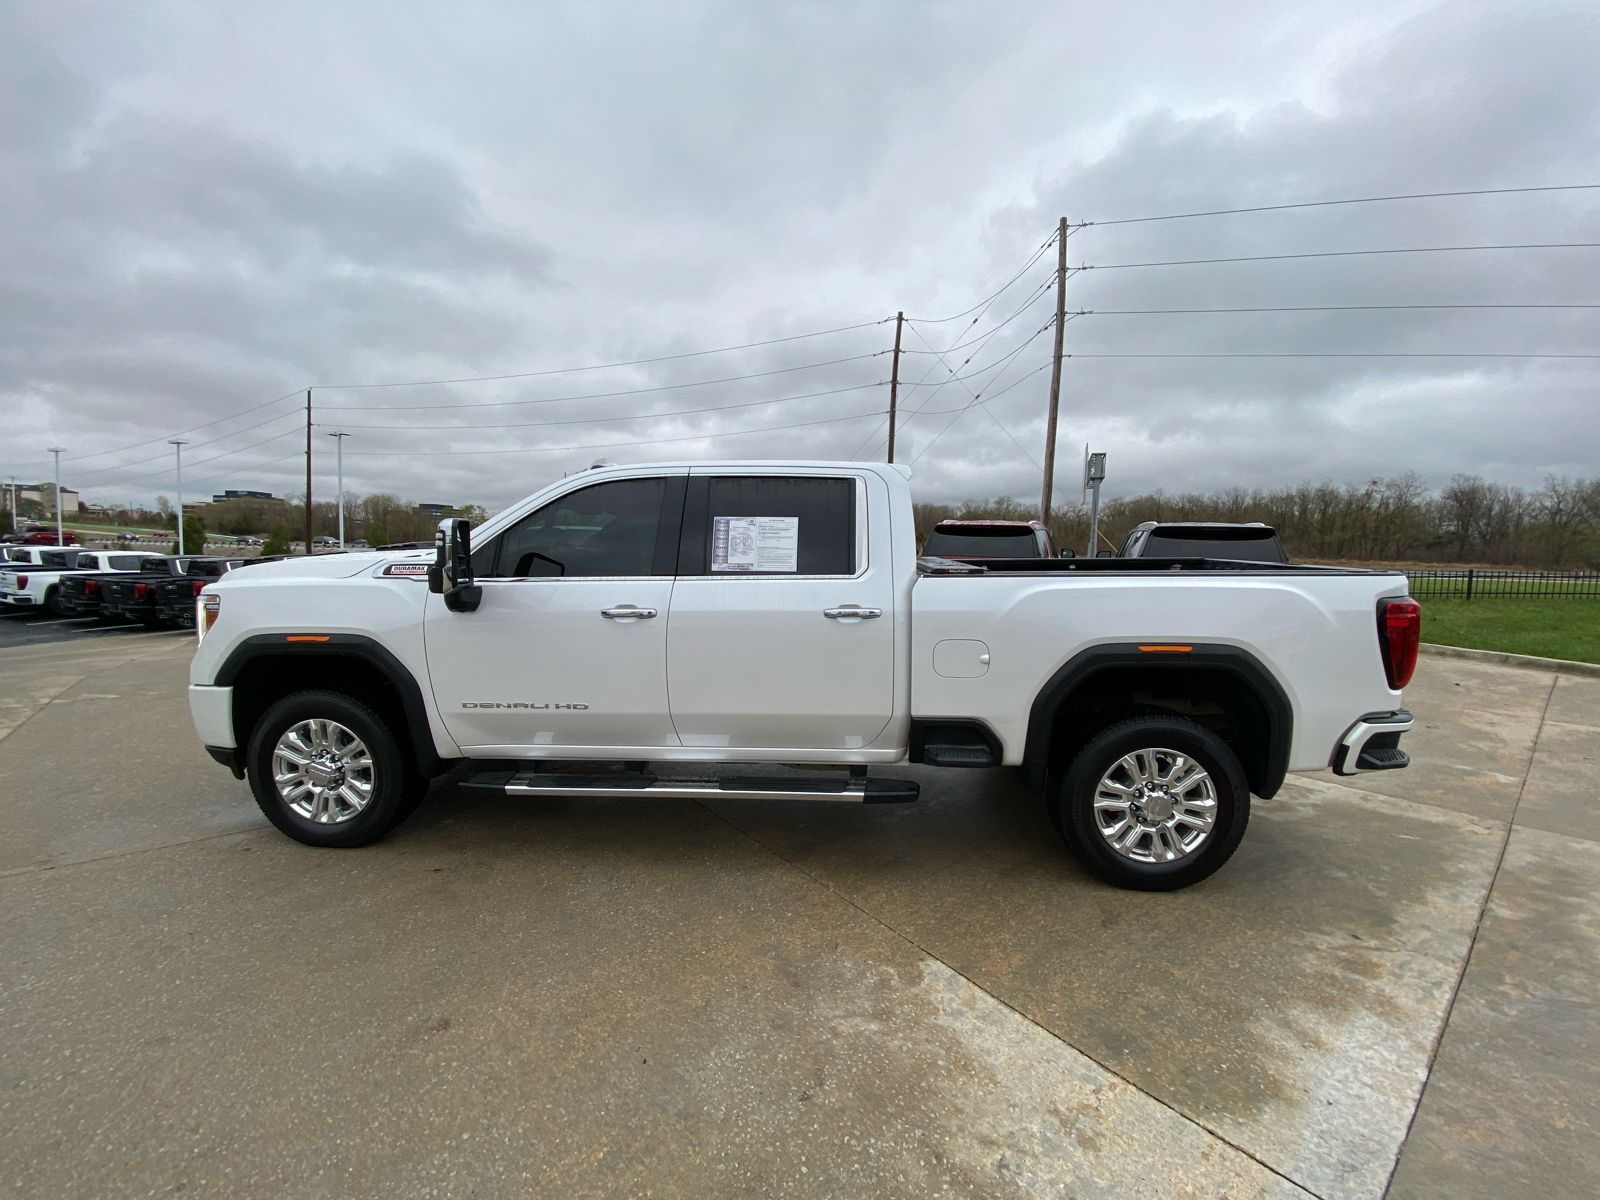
(327,771)
(1153,804)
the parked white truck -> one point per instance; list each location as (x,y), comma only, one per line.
(777,612)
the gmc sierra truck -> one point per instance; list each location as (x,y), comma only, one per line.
(691,615)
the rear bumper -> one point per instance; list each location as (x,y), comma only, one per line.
(1373,744)
(212,710)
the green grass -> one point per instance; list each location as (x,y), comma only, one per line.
(1549,628)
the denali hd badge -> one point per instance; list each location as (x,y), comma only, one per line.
(520,704)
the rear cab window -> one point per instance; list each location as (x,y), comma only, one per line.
(1246,544)
(977,541)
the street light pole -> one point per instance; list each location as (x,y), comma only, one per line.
(56,450)
(178,444)
(341,435)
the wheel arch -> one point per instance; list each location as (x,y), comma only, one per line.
(1222,687)
(265,667)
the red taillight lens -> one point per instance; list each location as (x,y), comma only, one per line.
(91,587)
(1399,636)
(198,584)
(139,590)
(22,582)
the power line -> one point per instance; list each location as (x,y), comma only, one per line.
(668,387)
(200,463)
(1147,312)
(1339,354)
(610,445)
(1224,212)
(243,413)
(599,366)
(154,457)
(1050,241)
(627,417)
(1197,262)
(475,379)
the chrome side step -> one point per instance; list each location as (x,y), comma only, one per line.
(852,790)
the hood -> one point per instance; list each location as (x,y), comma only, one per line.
(321,566)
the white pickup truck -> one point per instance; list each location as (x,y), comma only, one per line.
(777,612)
(36,586)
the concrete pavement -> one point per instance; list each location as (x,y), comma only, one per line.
(580,997)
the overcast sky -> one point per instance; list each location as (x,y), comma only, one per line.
(212,206)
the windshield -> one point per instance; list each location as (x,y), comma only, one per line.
(980,542)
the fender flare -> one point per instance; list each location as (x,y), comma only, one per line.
(1229,660)
(347,645)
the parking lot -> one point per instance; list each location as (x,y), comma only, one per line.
(1391,990)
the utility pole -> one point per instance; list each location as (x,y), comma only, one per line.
(178,444)
(341,435)
(308,470)
(13,504)
(1055,375)
(894,379)
(56,450)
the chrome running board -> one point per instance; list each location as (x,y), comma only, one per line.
(851,790)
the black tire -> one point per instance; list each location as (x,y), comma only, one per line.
(52,602)
(1150,860)
(395,786)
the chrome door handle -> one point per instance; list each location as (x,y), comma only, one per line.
(627,613)
(860,613)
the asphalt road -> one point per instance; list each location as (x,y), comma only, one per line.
(1389,991)
(38,628)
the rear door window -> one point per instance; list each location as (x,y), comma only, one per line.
(769,525)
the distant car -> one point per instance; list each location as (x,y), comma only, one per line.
(962,540)
(174,604)
(42,535)
(1253,542)
(40,587)
(247,541)
(359,544)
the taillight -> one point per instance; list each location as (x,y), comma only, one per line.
(198,584)
(22,582)
(139,591)
(91,587)
(1399,636)
(205,614)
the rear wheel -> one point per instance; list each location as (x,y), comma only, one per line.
(327,771)
(1153,804)
(52,601)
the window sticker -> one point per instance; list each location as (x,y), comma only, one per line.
(755,544)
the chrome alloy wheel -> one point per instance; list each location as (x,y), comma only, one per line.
(1155,805)
(323,771)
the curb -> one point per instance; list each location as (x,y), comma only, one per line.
(1561,666)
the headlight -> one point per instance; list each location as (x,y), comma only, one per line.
(206,608)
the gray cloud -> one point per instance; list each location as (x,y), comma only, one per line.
(205,216)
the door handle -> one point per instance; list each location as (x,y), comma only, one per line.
(626,613)
(851,612)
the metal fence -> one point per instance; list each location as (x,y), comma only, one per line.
(1485,585)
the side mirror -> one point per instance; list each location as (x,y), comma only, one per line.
(451,573)
(1106,554)
(1069,552)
